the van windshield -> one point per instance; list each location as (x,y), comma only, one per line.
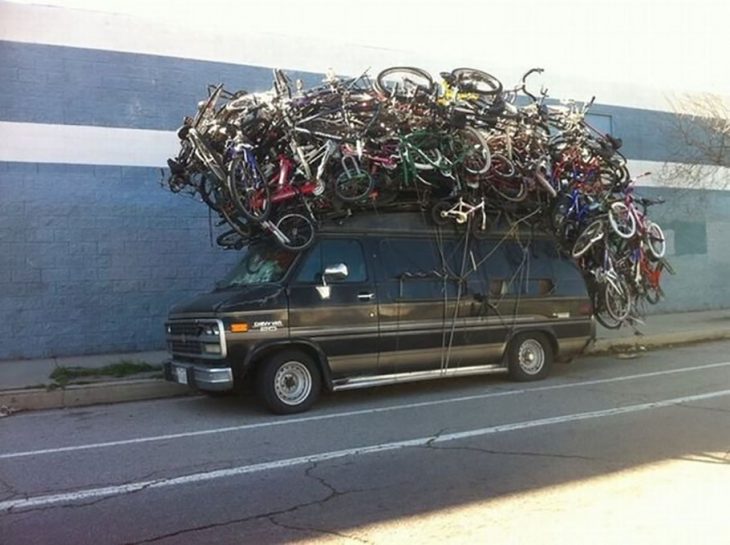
(260,264)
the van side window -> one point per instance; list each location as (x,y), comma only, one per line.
(410,269)
(328,253)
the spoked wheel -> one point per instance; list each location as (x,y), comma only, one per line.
(480,225)
(622,220)
(617,299)
(294,232)
(355,186)
(510,189)
(249,190)
(404,82)
(231,240)
(473,150)
(439,212)
(471,80)
(655,240)
(589,236)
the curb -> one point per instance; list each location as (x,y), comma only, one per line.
(119,391)
(656,340)
(89,394)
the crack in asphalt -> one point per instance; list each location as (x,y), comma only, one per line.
(430,445)
(9,488)
(333,493)
(711,409)
(13,511)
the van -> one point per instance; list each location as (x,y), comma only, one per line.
(383,299)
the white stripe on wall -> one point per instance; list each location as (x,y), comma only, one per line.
(84,145)
(87,145)
(244,45)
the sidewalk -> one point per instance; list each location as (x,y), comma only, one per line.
(26,384)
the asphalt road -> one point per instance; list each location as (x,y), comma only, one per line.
(607,450)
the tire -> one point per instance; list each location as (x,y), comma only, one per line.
(617,300)
(231,240)
(479,230)
(473,151)
(298,229)
(476,81)
(249,190)
(529,357)
(655,240)
(354,188)
(437,210)
(289,382)
(589,236)
(419,79)
(510,189)
(622,220)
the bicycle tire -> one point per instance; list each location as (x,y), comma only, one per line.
(248,189)
(437,211)
(622,220)
(477,81)
(298,229)
(617,299)
(382,88)
(655,240)
(480,226)
(512,189)
(587,238)
(354,188)
(231,240)
(477,157)
(206,156)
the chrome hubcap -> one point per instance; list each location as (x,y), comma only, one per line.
(293,383)
(531,356)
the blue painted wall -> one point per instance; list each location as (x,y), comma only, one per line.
(92,257)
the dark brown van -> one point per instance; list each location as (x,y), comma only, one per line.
(384,299)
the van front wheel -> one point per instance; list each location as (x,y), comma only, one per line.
(289,382)
(529,357)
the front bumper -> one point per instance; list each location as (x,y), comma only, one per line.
(200,377)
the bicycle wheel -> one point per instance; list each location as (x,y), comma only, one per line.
(621,219)
(231,240)
(589,236)
(480,225)
(510,189)
(439,212)
(296,232)
(472,150)
(655,241)
(248,189)
(403,82)
(617,299)
(354,187)
(475,81)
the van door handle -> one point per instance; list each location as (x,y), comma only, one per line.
(363,296)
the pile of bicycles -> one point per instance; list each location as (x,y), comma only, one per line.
(464,149)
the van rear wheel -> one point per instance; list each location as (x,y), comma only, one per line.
(289,382)
(529,357)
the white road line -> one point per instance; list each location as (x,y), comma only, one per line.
(359,412)
(80,495)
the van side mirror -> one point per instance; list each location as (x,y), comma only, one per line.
(333,272)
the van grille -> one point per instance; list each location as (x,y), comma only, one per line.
(196,338)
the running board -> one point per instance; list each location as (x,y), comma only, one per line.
(398,378)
